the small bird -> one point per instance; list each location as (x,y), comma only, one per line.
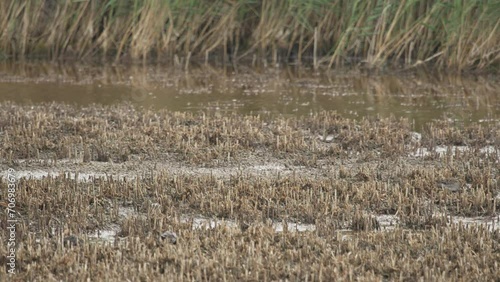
(450,184)
(170,236)
(72,241)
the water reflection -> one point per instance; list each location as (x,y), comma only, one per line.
(419,96)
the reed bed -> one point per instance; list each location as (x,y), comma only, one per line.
(340,186)
(457,35)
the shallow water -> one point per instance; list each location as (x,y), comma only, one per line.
(419,96)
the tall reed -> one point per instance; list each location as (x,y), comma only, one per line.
(459,34)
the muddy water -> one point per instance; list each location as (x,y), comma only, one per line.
(419,95)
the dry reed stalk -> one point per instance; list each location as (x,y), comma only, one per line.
(458,35)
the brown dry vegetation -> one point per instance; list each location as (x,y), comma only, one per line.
(205,164)
(458,35)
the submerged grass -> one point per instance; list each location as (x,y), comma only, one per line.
(460,35)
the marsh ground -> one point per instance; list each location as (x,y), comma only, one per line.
(291,169)
(237,190)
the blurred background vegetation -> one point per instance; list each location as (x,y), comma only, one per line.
(457,35)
